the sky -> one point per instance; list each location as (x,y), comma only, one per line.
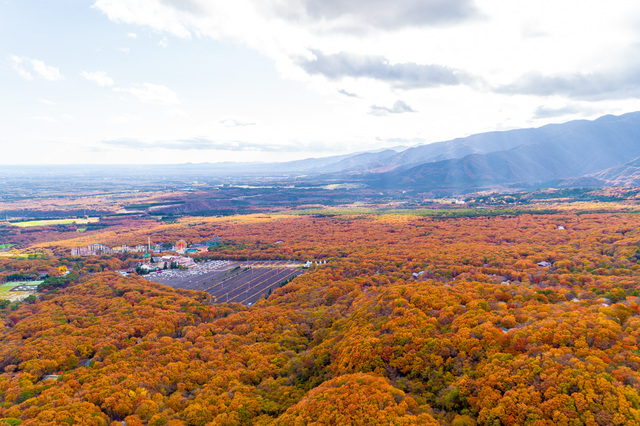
(177,81)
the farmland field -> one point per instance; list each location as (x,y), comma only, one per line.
(31,223)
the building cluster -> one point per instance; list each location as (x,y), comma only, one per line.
(97,248)
(181,247)
(168,262)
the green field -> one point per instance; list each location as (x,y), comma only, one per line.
(6,287)
(30,223)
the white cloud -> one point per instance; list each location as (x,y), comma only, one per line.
(46,101)
(469,58)
(404,75)
(348,94)
(176,112)
(125,118)
(349,60)
(144,12)
(151,93)
(196,143)
(425,39)
(45,118)
(17,65)
(27,67)
(45,71)
(163,42)
(99,77)
(399,107)
(236,122)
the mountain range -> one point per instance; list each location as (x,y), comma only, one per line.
(581,153)
(600,152)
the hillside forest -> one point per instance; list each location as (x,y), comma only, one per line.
(509,319)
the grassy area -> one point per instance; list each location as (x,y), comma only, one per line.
(13,255)
(4,247)
(6,287)
(30,223)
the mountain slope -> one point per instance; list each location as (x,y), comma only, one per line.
(627,174)
(552,152)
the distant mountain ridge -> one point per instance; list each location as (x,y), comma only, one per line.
(627,174)
(489,160)
(581,153)
(552,152)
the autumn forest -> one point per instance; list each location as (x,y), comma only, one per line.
(519,318)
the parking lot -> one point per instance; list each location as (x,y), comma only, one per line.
(231,281)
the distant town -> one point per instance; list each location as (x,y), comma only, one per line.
(152,263)
(181,247)
(157,260)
